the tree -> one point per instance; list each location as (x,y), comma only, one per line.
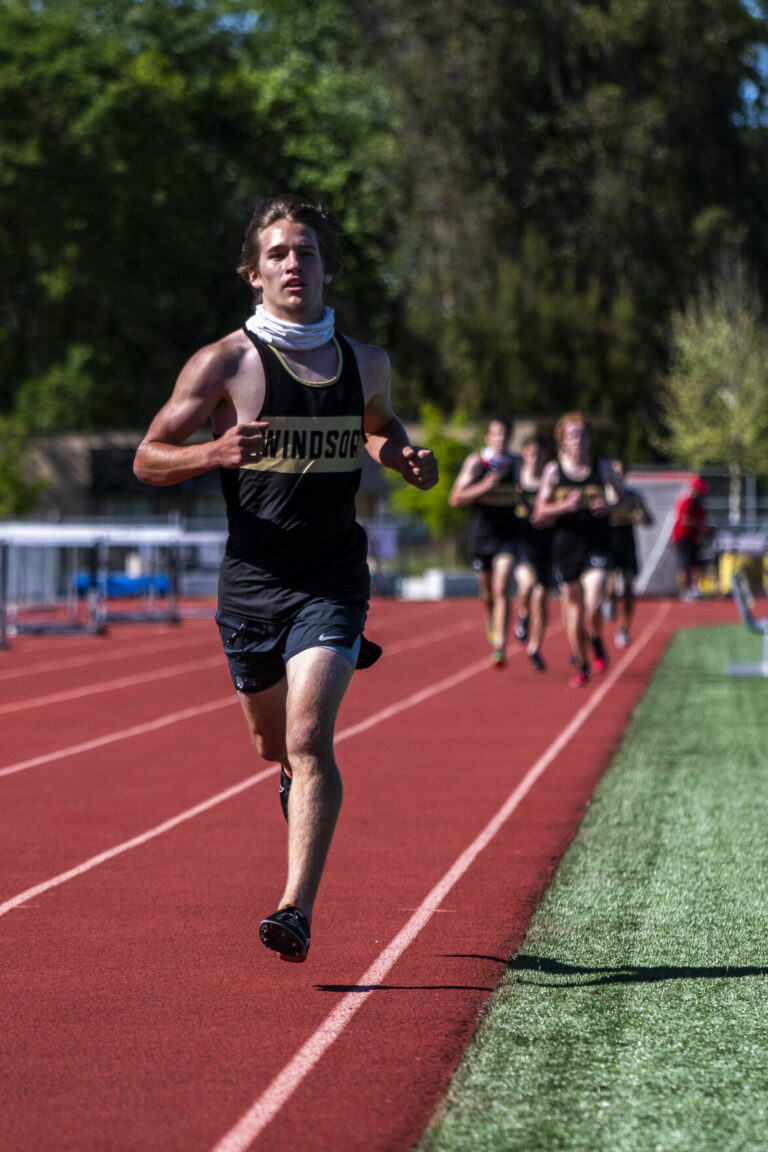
(134,137)
(715,396)
(529,187)
(432,507)
(18,494)
(620,134)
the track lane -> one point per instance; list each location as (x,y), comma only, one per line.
(188,1017)
(108,786)
(289,1080)
(31,655)
(88,710)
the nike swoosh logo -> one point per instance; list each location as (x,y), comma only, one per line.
(324,637)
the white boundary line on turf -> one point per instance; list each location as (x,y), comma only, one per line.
(190,813)
(269,1103)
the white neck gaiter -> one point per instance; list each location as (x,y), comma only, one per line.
(290,337)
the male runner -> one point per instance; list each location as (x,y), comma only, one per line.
(533,562)
(621,579)
(292,403)
(486,483)
(578,491)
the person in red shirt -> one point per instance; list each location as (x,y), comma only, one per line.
(690,531)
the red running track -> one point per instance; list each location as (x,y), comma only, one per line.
(143,840)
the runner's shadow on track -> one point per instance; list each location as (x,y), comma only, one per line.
(572,975)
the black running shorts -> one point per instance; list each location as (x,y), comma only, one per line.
(257,650)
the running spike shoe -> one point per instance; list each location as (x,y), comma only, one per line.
(286,932)
(581,677)
(600,662)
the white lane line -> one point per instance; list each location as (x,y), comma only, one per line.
(123,734)
(417,698)
(429,638)
(192,666)
(176,717)
(111,685)
(190,713)
(136,842)
(266,1107)
(101,656)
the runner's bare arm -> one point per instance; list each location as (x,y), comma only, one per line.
(163,458)
(386,440)
(472,481)
(614,489)
(547,509)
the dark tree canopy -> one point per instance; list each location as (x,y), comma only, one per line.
(530,187)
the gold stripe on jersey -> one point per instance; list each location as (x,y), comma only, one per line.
(504,495)
(299,444)
(589,493)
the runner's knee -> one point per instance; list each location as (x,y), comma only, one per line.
(309,744)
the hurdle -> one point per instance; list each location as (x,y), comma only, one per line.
(740,591)
(51,581)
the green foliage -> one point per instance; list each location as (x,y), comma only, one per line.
(715,397)
(528,189)
(608,132)
(432,507)
(18,495)
(536,340)
(134,138)
(62,397)
(117,139)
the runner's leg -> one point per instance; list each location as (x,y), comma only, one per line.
(317,679)
(500,578)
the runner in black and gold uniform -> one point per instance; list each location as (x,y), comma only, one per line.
(621,591)
(578,491)
(533,567)
(292,405)
(486,484)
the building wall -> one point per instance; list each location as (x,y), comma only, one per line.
(91,475)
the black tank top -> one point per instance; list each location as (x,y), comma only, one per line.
(526,497)
(291,515)
(492,520)
(581,524)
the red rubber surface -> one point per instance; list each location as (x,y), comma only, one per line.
(141,1012)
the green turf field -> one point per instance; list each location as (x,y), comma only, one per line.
(635,1016)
